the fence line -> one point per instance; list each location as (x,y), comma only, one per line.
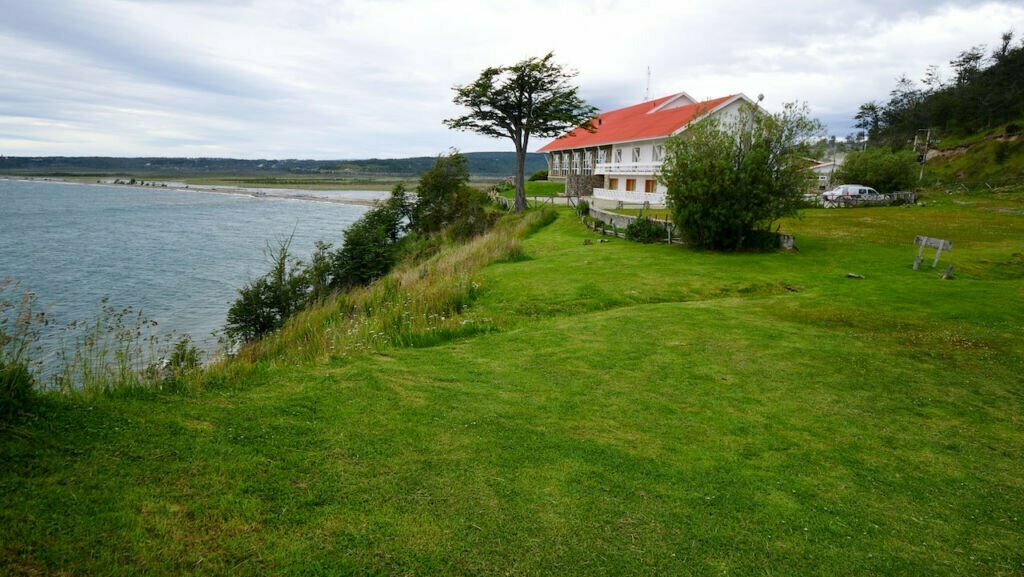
(619,222)
(889,199)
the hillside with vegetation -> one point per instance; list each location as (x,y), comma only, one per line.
(974,119)
(528,402)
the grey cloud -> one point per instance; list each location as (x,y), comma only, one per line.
(325,79)
(112,42)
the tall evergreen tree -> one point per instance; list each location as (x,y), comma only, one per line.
(531,98)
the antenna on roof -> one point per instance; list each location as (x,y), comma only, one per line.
(647,92)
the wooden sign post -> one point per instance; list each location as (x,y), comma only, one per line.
(937,243)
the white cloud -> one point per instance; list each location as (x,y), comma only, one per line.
(326,79)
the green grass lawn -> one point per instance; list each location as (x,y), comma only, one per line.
(641,410)
(539,188)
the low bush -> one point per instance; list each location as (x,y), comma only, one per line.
(21,322)
(1001,152)
(645,230)
(583,208)
(17,388)
(184,358)
(504,186)
(539,175)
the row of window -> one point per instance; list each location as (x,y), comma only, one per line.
(567,160)
(650,185)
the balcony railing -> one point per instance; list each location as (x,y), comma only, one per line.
(627,167)
(630,197)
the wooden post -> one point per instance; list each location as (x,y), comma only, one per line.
(938,251)
(920,251)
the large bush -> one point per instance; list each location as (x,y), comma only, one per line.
(264,304)
(370,244)
(441,194)
(541,174)
(879,168)
(727,179)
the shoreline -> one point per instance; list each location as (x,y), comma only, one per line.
(259,193)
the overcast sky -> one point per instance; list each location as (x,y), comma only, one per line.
(354,79)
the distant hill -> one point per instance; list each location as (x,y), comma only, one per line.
(489,164)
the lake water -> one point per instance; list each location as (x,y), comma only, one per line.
(179,255)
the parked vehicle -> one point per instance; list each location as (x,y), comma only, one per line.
(851,190)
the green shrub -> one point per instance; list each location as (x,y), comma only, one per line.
(727,178)
(16,389)
(583,208)
(185,357)
(443,195)
(20,325)
(645,230)
(539,175)
(369,249)
(264,304)
(1002,152)
(879,168)
(504,186)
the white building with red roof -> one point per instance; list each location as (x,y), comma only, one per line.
(621,158)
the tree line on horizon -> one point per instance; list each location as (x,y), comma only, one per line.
(494,164)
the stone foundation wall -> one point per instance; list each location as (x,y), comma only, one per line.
(582,184)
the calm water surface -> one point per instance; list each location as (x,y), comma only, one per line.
(180,255)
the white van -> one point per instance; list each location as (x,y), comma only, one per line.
(851,190)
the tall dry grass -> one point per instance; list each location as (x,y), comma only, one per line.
(417,304)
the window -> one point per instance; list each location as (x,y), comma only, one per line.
(636,154)
(630,185)
(618,155)
(613,184)
(657,153)
(588,158)
(576,163)
(600,156)
(649,185)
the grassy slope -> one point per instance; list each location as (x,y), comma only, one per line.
(645,410)
(984,160)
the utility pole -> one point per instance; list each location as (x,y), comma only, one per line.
(921,148)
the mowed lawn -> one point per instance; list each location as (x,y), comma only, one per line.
(539,188)
(644,410)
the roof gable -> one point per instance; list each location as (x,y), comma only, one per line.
(652,119)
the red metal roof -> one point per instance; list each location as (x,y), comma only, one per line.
(634,123)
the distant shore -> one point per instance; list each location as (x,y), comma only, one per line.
(358,197)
